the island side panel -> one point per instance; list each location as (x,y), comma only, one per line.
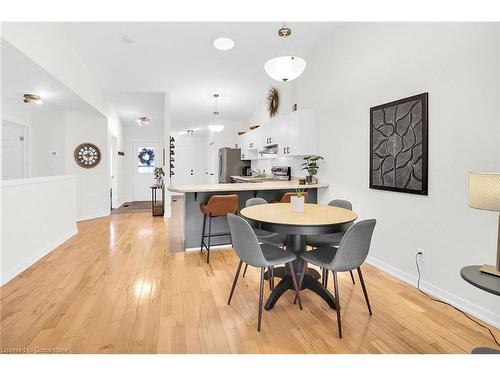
(193,217)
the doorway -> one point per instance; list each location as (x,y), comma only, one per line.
(146,155)
(15,159)
(113,172)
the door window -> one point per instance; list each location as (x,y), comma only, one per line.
(146,159)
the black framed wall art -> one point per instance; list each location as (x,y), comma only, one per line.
(398,145)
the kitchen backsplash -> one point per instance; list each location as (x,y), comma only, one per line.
(293,162)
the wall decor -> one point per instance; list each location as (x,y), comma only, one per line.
(398,145)
(273,101)
(87,155)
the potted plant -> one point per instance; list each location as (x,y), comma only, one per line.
(159,174)
(311,166)
(298,200)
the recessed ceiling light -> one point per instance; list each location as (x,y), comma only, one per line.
(223,43)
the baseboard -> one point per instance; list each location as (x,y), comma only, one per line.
(464,305)
(93,216)
(9,275)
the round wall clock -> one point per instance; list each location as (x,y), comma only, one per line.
(87,155)
(273,101)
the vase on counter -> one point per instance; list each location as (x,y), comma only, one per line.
(159,181)
(297,203)
(309,180)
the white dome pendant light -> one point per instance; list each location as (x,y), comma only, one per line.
(216,127)
(287,67)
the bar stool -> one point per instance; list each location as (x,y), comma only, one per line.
(217,206)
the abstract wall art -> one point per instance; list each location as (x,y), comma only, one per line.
(398,145)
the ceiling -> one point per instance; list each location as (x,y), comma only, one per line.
(20,75)
(131,105)
(178,58)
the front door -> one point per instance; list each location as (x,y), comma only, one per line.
(145,157)
(14,158)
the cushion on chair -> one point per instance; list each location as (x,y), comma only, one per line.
(276,255)
(321,256)
(325,240)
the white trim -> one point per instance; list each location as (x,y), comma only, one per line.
(93,216)
(17,270)
(481,313)
(35,180)
(215,247)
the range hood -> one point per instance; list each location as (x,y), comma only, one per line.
(269,150)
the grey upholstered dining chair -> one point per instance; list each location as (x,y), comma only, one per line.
(330,239)
(277,239)
(250,251)
(351,253)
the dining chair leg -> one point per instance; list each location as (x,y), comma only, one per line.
(302,274)
(364,290)
(295,284)
(261,297)
(245,270)
(209,237)
(352,277)
(337,300)
(203,232)
(235,281)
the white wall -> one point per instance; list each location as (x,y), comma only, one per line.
(38,214)
(362,65)
(92,185)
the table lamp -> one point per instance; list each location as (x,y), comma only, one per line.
(484,194)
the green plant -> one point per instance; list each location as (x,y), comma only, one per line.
(311,164)
(299,191)
(159,173)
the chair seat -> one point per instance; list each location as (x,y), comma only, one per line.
(322,256)
(276,255)
(277,239)
(325,240)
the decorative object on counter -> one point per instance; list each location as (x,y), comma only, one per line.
(159,174)
(302,181)
(216,127)
(285,67)
(253,127)
(484,194)
(87,155)
(298,200)
(398,145)
(241,133)
(294,107)
(273,101)
(172,158)
(311,166)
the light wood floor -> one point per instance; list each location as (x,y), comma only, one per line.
(115,288)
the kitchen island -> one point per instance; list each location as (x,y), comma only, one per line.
(194,195)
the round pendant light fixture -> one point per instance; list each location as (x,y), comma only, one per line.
(223,43)
(286,67)
(216,127)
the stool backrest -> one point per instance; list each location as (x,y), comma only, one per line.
(341,203)
(286,198)
(354,247)
(245,242)
(221,205)
(255,202)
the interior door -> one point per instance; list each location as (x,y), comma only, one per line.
(14,152)
(189,169)
(113,169)
(146,155)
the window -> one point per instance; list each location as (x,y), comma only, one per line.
(145,159)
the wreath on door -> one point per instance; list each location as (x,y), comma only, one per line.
(147,157)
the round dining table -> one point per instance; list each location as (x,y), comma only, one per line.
(316,219)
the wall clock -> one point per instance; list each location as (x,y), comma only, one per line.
(87,155)
(273,101)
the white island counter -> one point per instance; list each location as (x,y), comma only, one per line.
(244,186)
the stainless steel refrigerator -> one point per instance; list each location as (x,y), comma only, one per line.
(230,163)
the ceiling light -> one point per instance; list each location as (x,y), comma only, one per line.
(287,67)
(190,132)
(143,120)
(216,127)
(28,98)
(223,43)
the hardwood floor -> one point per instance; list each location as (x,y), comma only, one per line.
(116,288)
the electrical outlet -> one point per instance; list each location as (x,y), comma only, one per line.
(420,255)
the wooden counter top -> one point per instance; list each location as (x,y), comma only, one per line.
(250,186)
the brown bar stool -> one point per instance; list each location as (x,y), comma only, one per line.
(217,206)
(286,198)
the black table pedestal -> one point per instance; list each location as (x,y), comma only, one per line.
(296,243)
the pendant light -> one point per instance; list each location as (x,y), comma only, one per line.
(286,67)
(216,127)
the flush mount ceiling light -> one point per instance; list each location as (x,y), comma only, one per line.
(28,98)
(223,43)
(286,67)
(190,132)
(216,127)
(143,120)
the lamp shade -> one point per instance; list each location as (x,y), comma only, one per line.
(484,191)
(216,128)
(285,68)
